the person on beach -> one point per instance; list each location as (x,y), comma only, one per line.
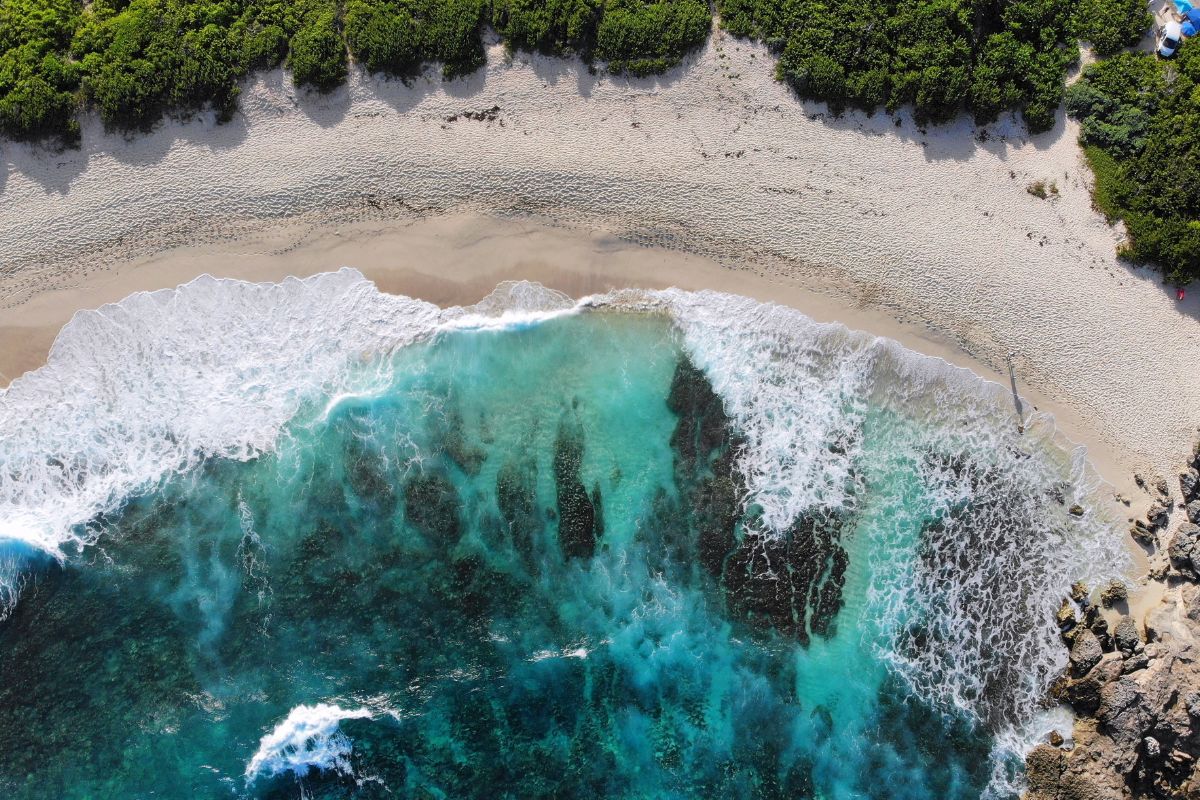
(1179,293)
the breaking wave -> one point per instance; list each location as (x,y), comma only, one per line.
(309,738)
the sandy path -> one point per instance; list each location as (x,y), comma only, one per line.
(935,229)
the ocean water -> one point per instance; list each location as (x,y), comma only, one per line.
(311,540)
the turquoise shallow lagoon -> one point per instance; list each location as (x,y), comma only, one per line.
(662,548)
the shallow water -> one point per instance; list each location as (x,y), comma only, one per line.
(696,549)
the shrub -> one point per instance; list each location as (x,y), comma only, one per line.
(317,55)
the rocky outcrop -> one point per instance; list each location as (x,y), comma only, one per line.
(1137,699)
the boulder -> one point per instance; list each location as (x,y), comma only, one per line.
(1158,515)
(1066,616)
(1113,592)
(1142,534)
(1135,662)
(1126,635)
(1084,693)
(1124,714)
(1079,591)
(1189,483)
(1086,653)
(1043,770)
(1193,512)
(1182,549)
(1076,510)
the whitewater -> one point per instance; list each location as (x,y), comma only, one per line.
(951,546)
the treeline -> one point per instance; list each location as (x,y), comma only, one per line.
(939,56)
(1140,120)
(133,60)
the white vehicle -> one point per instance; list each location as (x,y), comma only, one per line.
(1169,39)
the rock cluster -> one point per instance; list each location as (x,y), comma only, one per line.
(1137,699)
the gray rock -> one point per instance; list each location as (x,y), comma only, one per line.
(1181,550)
(1158,515)
(1113,592)
(1126,635)
(1193,512)
(1134,663)
(1152,747)
(1189,483)
(1086,653)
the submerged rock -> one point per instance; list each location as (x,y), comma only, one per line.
(705,444)
(576,514)
(431,505)
(792,583)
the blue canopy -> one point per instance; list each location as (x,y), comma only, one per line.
(1193,16)
(1188,29)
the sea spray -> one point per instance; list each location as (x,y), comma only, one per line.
(333,448)
(309,738)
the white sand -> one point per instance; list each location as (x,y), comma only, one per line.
(935,229)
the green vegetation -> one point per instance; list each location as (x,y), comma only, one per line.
(633,36)
(1140,120)
(1110,26)
(134,60)
(940,56)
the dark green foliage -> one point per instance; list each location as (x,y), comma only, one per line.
(37,88)
(548,26)
(939,56)
(1116,102)
(1141,121)
(318,54)
(1112,25)
(642,38)
(633,36)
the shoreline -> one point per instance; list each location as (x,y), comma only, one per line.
(932,227)
(458,258)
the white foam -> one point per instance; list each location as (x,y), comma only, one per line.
(140,389)
(985,590)
(309,738)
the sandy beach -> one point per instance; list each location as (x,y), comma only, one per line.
(711,176)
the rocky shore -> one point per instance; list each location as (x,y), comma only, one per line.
(1134,684)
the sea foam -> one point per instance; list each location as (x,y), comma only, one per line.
(309,738)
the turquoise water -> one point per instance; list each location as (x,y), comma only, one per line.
(522,561)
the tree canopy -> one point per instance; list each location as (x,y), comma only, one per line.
(1140,121)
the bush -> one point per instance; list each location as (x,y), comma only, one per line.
(317,57)
(1142,133)
(1112,25)
(939,56)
